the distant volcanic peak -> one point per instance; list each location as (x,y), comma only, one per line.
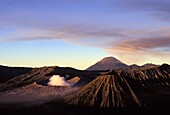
(149,64)
(106,91)
(109,60)
(108,63)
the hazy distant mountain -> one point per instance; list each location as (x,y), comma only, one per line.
(108,63)
(149,65)
(111,63)
(134,66)
(145,66)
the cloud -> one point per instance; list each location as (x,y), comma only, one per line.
(157,8)
(149,5)
(56,24)
(114,32)
(144,44)
(102,37)
(142,50)
(72,33)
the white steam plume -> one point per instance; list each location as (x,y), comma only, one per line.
(57,80)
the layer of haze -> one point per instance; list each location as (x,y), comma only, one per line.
(34,94)
(78,33)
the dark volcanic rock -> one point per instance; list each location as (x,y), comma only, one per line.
(146,90)
(120,88)
(7,73)
(42,75)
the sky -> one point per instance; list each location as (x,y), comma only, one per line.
(78,33)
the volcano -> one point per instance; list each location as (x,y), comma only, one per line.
(108,63)
(106,91)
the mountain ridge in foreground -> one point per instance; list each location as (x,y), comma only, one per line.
(106,91)
(141,90)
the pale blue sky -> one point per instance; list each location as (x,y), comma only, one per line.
(48,52)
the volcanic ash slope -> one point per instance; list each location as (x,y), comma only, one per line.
(106,91)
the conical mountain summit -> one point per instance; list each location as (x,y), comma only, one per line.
(111,63)
(109,60)
(108,63)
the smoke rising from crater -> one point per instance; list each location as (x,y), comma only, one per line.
(57,80)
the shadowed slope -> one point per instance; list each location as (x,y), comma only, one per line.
(151,78)
(7,73)
(42,75)
(37,74)
(106,91)
(34,94)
